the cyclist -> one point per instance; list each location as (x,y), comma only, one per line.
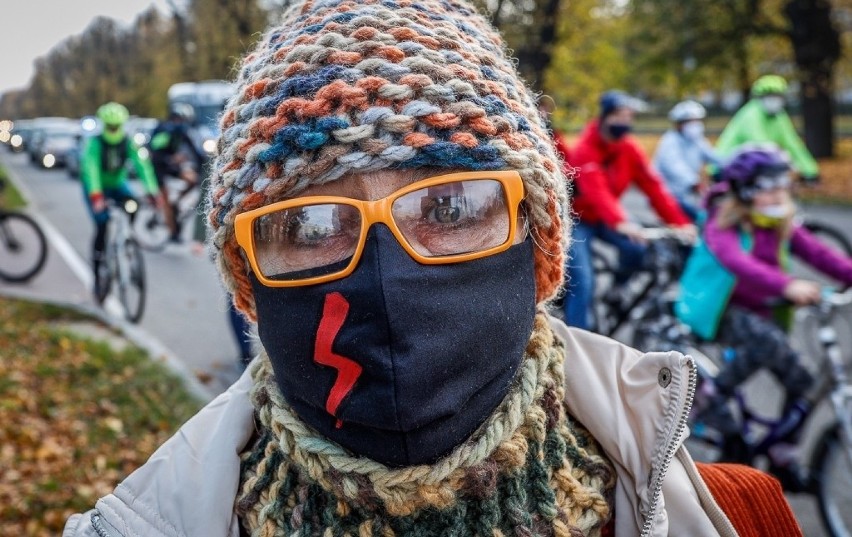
(763,119)
(682,153)
(104,175)
(608,161)
(173,153)
(737,269)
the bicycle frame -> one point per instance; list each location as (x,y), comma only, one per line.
(833,385)
(118,237)
(658,277)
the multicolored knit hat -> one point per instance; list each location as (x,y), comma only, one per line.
(345,86)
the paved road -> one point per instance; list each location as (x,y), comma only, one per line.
(186,307)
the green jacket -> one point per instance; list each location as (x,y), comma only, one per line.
(752,124)
(103,165)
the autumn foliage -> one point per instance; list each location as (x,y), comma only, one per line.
(76,416)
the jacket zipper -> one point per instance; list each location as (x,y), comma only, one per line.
(671,448)
(100,528)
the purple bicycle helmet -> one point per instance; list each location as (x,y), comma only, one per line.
(756,167)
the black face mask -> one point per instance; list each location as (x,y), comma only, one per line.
(618,131)
(401,362)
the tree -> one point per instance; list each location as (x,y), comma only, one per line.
(816,46)
(222,31)
(587,58)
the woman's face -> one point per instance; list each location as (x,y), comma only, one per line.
(771,197)
(621,116)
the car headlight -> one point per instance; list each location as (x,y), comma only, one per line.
(4,137)
(209,146)
(16,140)
(48,160)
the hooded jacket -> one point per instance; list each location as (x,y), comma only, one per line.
(752,124)
(760,275)
(189,485)
(605,170)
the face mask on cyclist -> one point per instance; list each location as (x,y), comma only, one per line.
(618,131)
(772,104)
(770,216)
(693,130)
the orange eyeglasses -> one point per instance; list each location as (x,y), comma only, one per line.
(446,219)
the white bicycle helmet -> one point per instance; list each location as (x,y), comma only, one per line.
(687,111)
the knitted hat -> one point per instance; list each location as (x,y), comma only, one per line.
(343,86)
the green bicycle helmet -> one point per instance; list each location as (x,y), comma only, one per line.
(769,85)
(113,116)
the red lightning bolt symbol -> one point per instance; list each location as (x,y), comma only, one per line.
(334,312)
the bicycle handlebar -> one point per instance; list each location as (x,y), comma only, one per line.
(830,297)
(661,233)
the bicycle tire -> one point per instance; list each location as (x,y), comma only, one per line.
(835,236)
(150,229)
(604,274)
(831,471)
(20,234)
(133,309)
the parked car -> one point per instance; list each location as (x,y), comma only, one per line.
(89,126)
(21,131)
(54,149)
(41,126)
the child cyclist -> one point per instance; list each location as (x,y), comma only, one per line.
(736,272)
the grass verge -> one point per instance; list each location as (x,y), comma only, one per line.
(76,416)
(10,198)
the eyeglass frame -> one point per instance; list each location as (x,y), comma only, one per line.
(379,211)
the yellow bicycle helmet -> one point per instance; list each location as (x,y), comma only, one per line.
(769,85)
(113,116)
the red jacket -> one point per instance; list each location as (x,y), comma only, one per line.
(605,170)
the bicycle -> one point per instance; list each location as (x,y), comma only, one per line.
(123,262)
(23,246)
(613,305)
(150,226)
(829,475)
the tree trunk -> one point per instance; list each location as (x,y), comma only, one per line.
(816,45)
(818,111)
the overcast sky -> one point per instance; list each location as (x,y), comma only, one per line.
(30,28)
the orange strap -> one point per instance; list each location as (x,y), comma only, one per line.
(752,500)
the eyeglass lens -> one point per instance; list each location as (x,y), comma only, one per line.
(448,219)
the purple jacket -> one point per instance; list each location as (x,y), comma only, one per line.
(759,273)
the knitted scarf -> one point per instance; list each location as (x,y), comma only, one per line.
(530,470)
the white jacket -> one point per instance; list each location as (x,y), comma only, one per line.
(634,404)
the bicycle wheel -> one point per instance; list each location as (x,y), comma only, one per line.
(23,248)
(150,229)
(830,235)
(603,316)
(831,469)
(131,281)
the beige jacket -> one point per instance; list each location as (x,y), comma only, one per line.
(635,404)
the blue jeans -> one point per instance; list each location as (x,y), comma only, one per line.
(581,272)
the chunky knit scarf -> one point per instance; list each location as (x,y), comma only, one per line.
(529,470)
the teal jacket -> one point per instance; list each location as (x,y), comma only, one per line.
(103,165)
(752,124)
